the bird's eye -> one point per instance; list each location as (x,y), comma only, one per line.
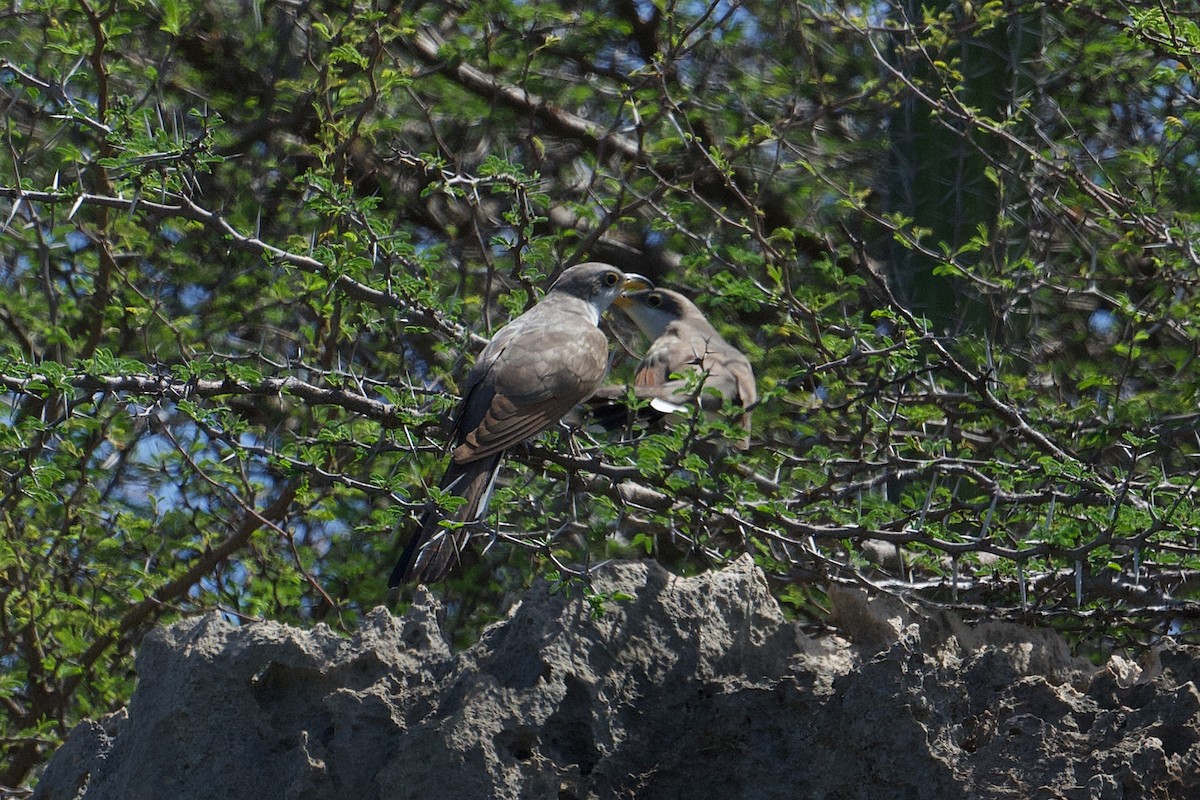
(611,278)
(654,300)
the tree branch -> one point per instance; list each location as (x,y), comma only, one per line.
(185,208)
(162,387)
(426,46)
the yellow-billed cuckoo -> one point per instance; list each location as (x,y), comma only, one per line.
(534,370)
(683,341)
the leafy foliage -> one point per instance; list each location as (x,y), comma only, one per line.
(249,248)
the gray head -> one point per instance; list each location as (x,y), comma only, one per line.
(652,310)
(596,283)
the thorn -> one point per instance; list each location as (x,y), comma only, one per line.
(12,213)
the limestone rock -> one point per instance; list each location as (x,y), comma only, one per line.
(692,688)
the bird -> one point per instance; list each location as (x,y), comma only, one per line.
(682,341)
(533,371)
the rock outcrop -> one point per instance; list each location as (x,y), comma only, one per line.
(690,688)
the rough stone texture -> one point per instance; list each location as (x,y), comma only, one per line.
(696,688)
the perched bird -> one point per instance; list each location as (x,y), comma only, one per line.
(683,341)
(535,370)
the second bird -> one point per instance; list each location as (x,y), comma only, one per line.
(683,341)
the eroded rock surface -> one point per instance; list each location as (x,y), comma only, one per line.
(695,688)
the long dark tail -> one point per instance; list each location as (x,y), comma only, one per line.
(432,551)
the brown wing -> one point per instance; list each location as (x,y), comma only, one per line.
(652,373)
(533,376)
(683,347)
(729,373)
(674,351)
(505,423)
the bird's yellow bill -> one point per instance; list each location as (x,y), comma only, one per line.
(635,282)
